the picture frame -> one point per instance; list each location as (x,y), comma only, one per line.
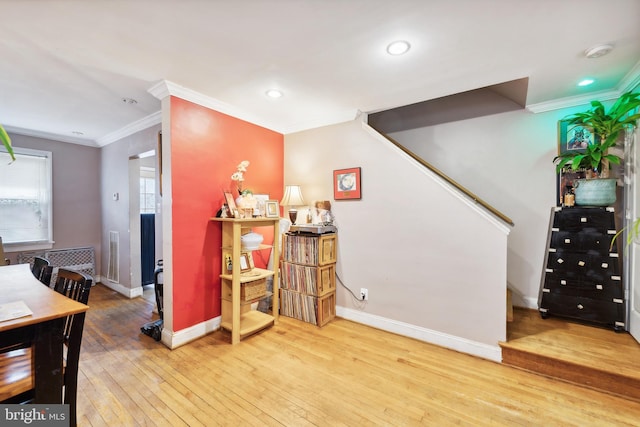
(574,138)
(347,184)
(260,208)
(245,263)
(231,204)
(272,210)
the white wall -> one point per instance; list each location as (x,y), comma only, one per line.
(434,266)
(507,160)
(115,213)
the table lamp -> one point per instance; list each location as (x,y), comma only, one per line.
(292,198)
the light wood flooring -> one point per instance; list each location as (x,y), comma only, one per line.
(588,355)
(296,374)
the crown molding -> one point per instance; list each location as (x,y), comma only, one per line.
(165,88)
(50,136)
(573,101)
(130,129)
(628,83)
(327,120)
(632,79)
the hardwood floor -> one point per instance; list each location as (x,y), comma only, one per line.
(591,356)
(295,374)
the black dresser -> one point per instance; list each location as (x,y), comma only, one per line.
(582,276)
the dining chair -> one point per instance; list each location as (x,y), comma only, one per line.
(42,270)
(16,374)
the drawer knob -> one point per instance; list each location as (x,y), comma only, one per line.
(580,306)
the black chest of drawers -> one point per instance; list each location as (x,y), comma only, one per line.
(582,275)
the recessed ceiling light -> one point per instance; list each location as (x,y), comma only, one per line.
(598,51)
(274,93)
(398,47)
(77,132)
(585,82)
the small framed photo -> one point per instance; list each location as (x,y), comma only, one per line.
(245,263)
(574,138)
(272,210)
(231,204)
(260,204)
(346,184)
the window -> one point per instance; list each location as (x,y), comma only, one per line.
(25,200)
(147,190)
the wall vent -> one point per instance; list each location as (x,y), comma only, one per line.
(114,257)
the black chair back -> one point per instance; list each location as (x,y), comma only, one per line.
(75,285)
(42,270)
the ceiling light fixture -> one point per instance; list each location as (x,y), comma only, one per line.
(129,101)
(274,93)
(598,51)
(77,132)
(585,82)
(398,47)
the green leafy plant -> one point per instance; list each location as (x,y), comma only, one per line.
(607,126)
(6,141)
(633,231)
(591,158)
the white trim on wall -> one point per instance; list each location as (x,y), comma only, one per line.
(452,342)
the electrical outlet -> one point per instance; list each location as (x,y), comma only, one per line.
(364,294)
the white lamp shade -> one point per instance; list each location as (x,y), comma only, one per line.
(292,196)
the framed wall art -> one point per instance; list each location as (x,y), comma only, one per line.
(572,138)
(347,184)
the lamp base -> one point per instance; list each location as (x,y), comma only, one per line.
(293,215)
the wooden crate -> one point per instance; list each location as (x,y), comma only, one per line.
(326,309)
(309,249)
(316,281)
(315,310)
(327,249)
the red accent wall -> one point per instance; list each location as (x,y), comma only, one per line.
(206,147)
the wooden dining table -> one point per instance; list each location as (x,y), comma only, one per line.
(42,329)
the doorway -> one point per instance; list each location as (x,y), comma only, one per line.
(145,236)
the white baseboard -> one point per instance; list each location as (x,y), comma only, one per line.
(184,336)
(530,302)
(494,353)
(462,345)
(127,292)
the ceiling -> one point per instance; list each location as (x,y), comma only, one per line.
(67,65)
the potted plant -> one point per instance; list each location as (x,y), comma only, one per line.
(6,141)
(595,158)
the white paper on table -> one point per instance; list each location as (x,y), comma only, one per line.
(14,310)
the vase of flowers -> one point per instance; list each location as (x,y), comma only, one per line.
(238,175)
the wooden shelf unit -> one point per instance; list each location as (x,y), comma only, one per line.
(237,315)
(308,272)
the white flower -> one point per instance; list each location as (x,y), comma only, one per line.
(237,176)
(242,167)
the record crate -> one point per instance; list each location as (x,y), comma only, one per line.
(315,310)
